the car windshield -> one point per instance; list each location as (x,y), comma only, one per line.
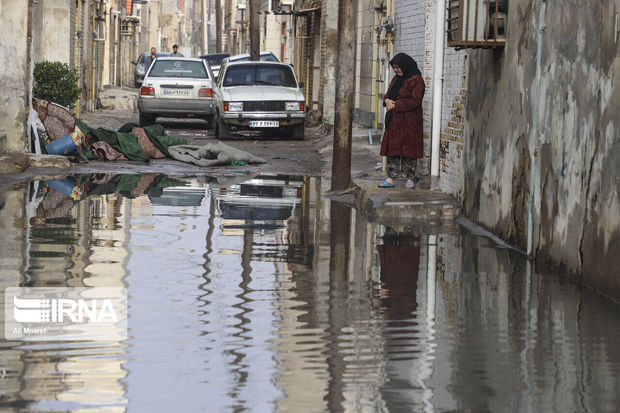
(178,68)
(251,75)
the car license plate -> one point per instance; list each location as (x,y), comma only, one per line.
(176,92)
(264,124)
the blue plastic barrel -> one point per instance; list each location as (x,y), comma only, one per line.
(61,146)
(63,186)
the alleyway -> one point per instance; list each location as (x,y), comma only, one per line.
(262,295)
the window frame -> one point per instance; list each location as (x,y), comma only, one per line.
(459,33)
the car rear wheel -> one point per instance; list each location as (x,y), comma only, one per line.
(221,130)
(146,119)
(297,132)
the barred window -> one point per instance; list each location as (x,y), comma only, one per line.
(477,23)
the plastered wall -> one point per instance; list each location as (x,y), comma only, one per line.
(577,163)
(13,18)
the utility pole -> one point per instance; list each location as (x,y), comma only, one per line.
(345,95)
(254,31)
(218,26)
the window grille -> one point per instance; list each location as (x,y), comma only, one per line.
(477,23)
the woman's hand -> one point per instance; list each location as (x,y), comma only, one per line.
(389,104)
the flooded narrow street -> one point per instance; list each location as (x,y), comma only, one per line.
(258,295)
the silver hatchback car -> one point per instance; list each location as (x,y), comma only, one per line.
(258,98)
(177,87)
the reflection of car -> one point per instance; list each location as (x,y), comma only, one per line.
(139,70)
(177,87)
(245,57)
(258,97)
(191,194)
(264,198)
(215,60)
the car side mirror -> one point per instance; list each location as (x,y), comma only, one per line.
(134,62)
(301,85)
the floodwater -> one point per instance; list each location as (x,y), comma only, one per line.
(261,296)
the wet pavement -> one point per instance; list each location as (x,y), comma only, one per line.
(258,294)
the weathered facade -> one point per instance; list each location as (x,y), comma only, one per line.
(489,107)
(576,205)
(52,26)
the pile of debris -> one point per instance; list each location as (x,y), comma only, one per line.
(56,132)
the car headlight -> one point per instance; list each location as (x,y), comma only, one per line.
(233,106)
(294,106)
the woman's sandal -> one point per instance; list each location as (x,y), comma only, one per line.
(385,184)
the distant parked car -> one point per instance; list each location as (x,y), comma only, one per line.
(139,70)
(258,97)
(265,56)
(177,87)
(215,60)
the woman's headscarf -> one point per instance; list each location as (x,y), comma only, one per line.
(409,68)
(407,64)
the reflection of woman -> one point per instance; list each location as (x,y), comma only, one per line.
(403,138)
(399,257)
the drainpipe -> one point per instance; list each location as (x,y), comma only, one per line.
(535,114)
(437,89)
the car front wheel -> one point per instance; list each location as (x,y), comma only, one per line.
(221,130)
(297,132)
(146,119)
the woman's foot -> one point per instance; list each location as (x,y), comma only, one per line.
(386,183)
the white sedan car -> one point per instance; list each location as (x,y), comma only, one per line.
(177,87)
(258,97)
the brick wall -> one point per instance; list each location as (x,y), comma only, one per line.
(409,28)
(452,122)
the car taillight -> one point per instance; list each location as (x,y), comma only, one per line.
(205,93)
(299,192)
(147,91)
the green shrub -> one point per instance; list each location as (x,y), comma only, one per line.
(54,81)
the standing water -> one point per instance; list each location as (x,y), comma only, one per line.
(257,295)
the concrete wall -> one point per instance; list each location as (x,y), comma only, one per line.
(577,197)
(13,99)
(366,64)
(329,57)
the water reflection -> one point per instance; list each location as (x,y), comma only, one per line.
(253,293)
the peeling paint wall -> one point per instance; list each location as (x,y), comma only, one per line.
(577,164)
(13,94)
